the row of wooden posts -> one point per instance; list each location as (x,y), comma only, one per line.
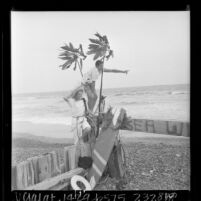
(37,173)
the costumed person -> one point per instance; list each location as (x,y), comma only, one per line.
(79,126)
(89,81)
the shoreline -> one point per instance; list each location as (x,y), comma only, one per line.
(62,131)
(41,129)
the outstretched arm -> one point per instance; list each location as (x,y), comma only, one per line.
(70,101)
(115,71)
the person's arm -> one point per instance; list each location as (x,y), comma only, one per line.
(114,71)
(70,101)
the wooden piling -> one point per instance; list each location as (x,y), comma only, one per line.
(70,158)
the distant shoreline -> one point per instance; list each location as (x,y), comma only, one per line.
(46,132)
(65,91)
(41,129)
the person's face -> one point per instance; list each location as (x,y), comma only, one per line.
(79,95)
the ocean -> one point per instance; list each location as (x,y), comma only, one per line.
(164,102)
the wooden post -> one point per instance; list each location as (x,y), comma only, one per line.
(24,175)
(55,164)
(66,160)
(70,158)
(176,128)
(44,167)
(14,178)
(62,167)
(34,161)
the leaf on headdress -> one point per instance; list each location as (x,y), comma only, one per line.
(75,57)
(92,52)
(96,41)
(65,47)
(81,49)
(110,54)
(66,65)
(97,55)
(105,39)
(75,66)
(81,64)
(99,36)
(71,46)
(93,46)
(65,58)
(62,54)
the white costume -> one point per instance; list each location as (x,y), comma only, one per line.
(88,77)
(91,75)
(79,123)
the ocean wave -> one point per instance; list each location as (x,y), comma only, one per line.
(141,93)
(177,92)
(120,94)
(46,120)
(135,103)
(124,94)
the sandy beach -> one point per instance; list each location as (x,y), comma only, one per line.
(61,132)
(41,129)
(153,161)
(41,124)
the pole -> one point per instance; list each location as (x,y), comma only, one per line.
(80,69)
(100,97)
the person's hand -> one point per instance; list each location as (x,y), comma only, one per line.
(126,71)
(66,99)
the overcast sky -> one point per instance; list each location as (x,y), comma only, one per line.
(154,46)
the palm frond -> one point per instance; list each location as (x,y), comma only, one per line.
(71,46)
(105,39)
(99,36)
(91,52)
(81,64)
(75,66)
(65,47)
(97,55)
(65,58)
(82,52)
(72,55)
(99,47)
(111,54)
(94,46)
(96,41)
(62,54)
(66,65)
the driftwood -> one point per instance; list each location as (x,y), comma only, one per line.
(57,182)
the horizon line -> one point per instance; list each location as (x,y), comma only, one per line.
(20,93)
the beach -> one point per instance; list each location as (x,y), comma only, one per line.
(41,123)
(153,161)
